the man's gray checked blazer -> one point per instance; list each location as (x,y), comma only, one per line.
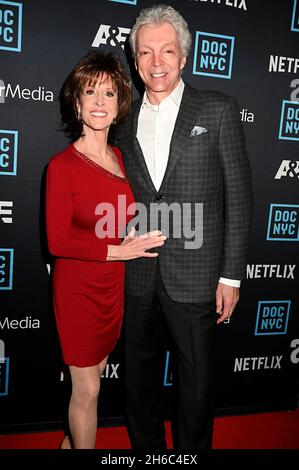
(210,168)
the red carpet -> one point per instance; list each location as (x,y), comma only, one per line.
(279,430)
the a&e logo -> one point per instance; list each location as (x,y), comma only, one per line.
(289,121)
(10,26)
(8,152)
(6,268)
(295,17)
(283,223)
(213,55)
(289,168)
(272,317)
(111,36)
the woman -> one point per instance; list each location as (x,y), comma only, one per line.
(88,279)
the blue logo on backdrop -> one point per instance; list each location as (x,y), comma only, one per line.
(272,317)
(213,55)
(283,223)
(6,268)
(289,121)
(167,372)
(130,2)
(8,152)
(4,376)
(295,17)
(4,370)
(10,26)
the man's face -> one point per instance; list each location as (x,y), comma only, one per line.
(159,60)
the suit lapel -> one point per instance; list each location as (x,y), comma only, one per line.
(188,115)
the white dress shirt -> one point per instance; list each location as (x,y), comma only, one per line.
(154,132)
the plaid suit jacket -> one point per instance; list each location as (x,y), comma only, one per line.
(211,168)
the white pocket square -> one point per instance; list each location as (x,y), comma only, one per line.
(197,130)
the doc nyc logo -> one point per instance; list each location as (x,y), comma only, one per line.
(213,55)
(10,26)
(283,223)
(167,370)
(111,35)
(272,317)
(4,370)
(6,268)
(8,152)
(289,121)
(295,17)
(129,2)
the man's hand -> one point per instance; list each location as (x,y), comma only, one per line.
(226,300)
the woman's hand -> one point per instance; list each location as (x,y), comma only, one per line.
(136,247)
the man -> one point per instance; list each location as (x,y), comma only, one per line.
(181,145)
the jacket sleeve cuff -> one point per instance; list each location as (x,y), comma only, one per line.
(230,282)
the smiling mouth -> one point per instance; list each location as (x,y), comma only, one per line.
(158,75)
(99,114)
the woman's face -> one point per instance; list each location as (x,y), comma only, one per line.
(97,104)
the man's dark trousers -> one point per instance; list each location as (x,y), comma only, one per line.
(192,328)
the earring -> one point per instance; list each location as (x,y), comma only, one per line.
(114,122)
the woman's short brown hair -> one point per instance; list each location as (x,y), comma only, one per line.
(87,71)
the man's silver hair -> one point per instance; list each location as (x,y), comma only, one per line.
(157,15)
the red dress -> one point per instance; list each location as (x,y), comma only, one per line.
(83,198)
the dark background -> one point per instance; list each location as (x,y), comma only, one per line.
(54,35)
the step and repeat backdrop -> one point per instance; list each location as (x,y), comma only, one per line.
(244,48)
